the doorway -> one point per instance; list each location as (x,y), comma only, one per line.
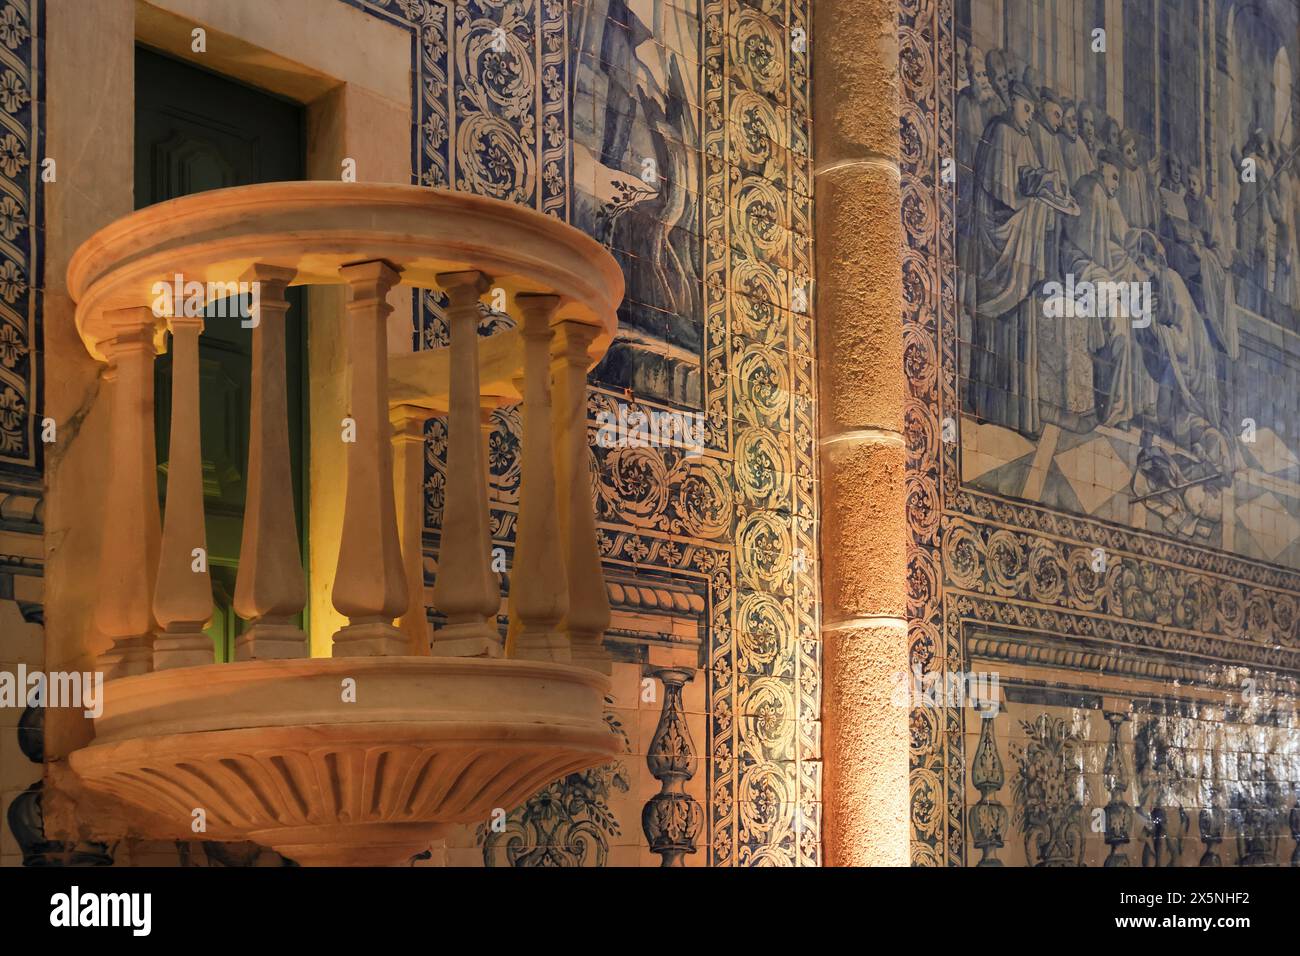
(195,131)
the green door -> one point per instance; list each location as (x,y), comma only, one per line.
(194,131)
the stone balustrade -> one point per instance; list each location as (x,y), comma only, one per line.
(154,595)
(563,290)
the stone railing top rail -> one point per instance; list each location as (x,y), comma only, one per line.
(315,228)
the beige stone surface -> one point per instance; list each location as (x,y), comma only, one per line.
(855,79)
(297,47)
(274,752)
(89,75)
(859,299)
(865,746)
(864,529)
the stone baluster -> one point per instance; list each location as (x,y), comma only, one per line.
(370,582)
(466,591)
(539,591)
(182,599)
(588,612)
(271,589)
(408,467)
(127,568)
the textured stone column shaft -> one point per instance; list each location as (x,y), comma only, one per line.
(271,589)
(132,528)
(859,342)
(182,600)
(370,584)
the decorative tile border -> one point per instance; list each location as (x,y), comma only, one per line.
(22,223)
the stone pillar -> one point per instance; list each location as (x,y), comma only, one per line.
(370,584)
(127,568)
(182,600)
(859,344)
(271,590)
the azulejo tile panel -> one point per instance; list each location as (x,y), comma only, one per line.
(678,135)
(1101,506)
(21,230)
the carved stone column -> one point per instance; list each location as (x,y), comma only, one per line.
(864,533)
(539,591)
(182,600)
(370,584)
(466,590)
(128,569)
(672,818)
(588,613)
(271,589)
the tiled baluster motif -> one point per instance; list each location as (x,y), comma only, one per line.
(988,818)
(672,818)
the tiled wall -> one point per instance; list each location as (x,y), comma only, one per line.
(1107,513)
(709,558)
(22,550)
(677,134)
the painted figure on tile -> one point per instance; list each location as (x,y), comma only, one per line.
(996,62)
(1098,248)
(638,162)
(1111,134)
(1182,364)
(1044,132)
(976,105)
(1137,194)
(1191,233)
(1255,212)
(1013,216)
(1088,128)
(1075,152)
(1286,281)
